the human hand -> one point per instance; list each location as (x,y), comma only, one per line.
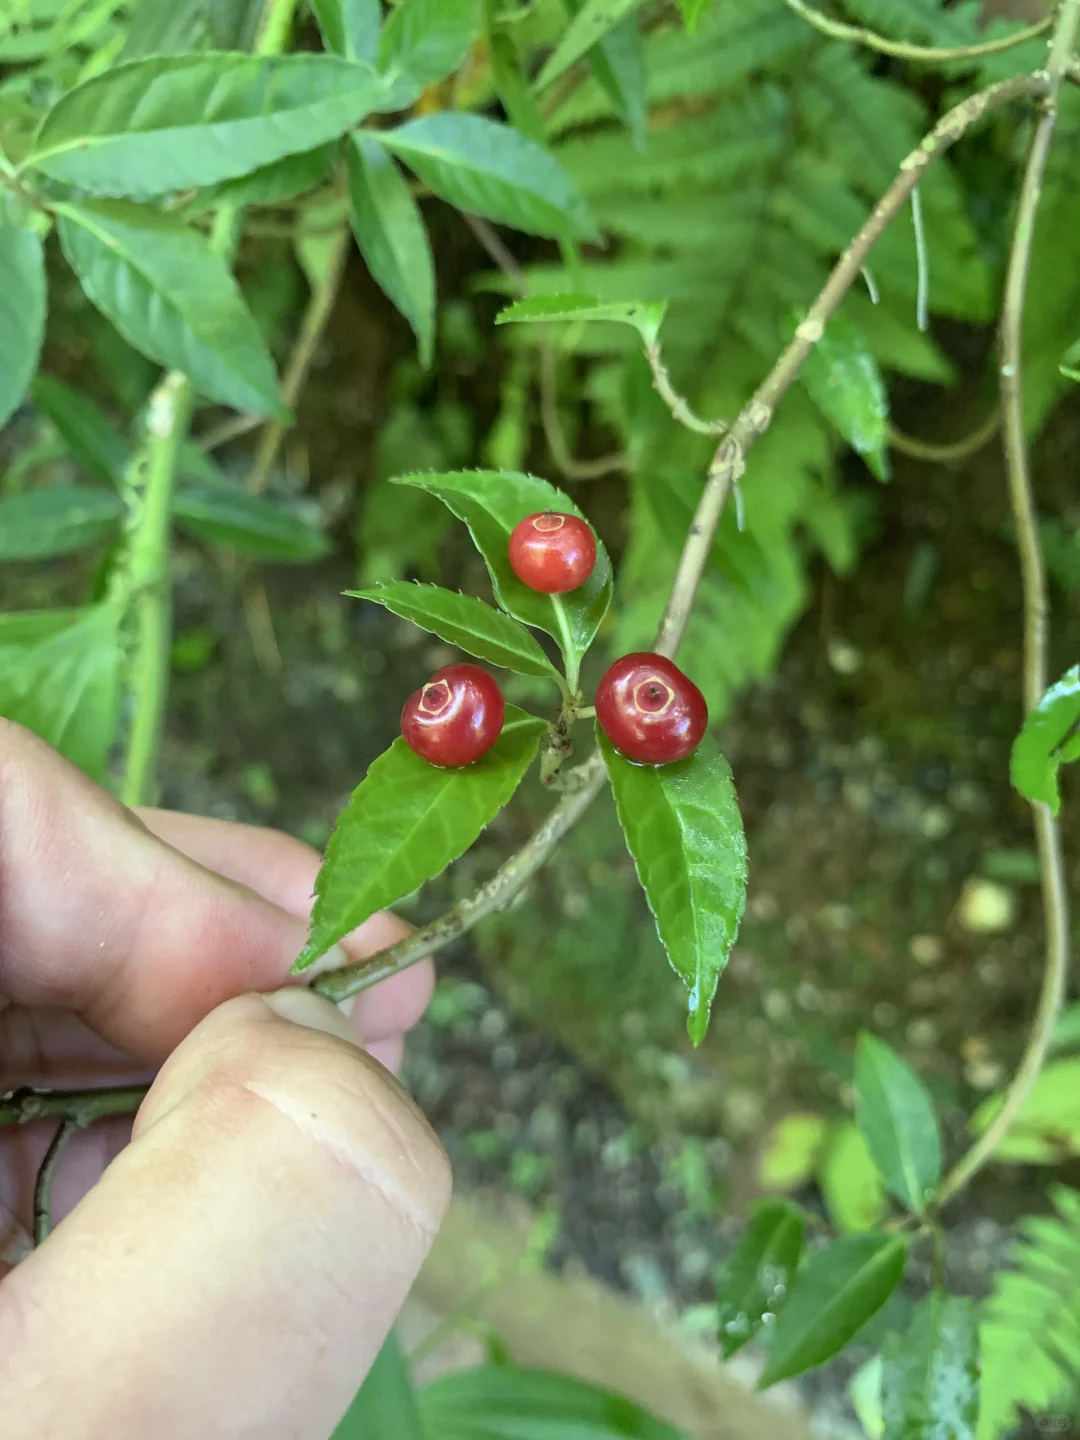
(236,1267)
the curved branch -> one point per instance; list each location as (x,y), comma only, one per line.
(946,452)
(921,54)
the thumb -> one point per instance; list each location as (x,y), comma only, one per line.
(238,1266)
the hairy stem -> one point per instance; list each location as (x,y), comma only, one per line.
(1036,607)
(922,54)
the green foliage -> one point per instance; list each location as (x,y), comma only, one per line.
(930,1373)
(350,27)
(1047,1129)
(22,302)
(594,20)
(755,1281)
(1044,743)
(56,521)
(645,318)
(386,1403)
(684,830)
(250,524)
(94,440)
(422,42)
(850,1184)
(407,820)
(897,1121)
(842,378)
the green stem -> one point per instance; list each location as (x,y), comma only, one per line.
(566,644)
(921,54)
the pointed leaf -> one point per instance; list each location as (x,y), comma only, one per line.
(350,27)
(509,79)
(897,1120)
(930,1373)
(270,184)
(488,169)
(422,42)
(754,1283)
(170,122)
(646,316)
(466,622)
(252,524)
(65,687)
(837,1291)
(385,1405)
(94,440)
(22,303)
(1036,756)
(171,297)
(56,521)
(491,502)
(390,231)
(618,62)
(593,21)
(692,11)
(842,378)
(407,820)
(850,1184)
(685,833)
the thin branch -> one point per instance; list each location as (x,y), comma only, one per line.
(724,472)
(921,54)
(232,428)
(679,407)
(949,452)
(20,1107)
(45,1176)
(1036,608)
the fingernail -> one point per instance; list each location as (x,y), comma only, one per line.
(304,1007)
(334,959)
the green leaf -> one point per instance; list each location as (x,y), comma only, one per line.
(31,627)
(850,1184)
(685,833)
(466,622)
(56,521)
(509,79)
(92,437)
(350,27)
(930,1373)
(270,184)
(491,502)
(172,298)
(646,316)
(897,1120)
(422,42)
(790,1152)
(1047,1129)
(506,1402)
(618,62)
(390,231)
(385,1405)
(842,378)
(834,1295)
(167,27)
(407,820)
(22,303)
(173,122)
(488,169)
(755,1281)
(1038,750)
(692,11)
(65,687)
(252,524)
(593,21)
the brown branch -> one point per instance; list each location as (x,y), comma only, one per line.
(45,1176)
(921,54)
(946,452)
(1036,608)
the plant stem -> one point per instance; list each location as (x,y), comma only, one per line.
(82,1106)
(948,452)
(679,407)
(922,54)
(46,1174)
(1036,608)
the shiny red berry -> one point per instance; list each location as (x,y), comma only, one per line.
(650,710)
(456,717)
(552,553)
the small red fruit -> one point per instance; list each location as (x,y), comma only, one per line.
(456,717)
(552,553)
(650,710)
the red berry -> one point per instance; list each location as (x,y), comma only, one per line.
(650,710)
(456,717)
(552,553)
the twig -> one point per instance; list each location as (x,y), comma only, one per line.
(20,1107)
(922,54)
(1036,609)
(233,428)
(45,1176)
(946,452)
(679,407)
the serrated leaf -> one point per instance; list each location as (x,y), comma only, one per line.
(350,27)
(507,1402)
(466,622)
(171,297)
(407,820)
(692,12)
(22,303)
(646,316)
(685,834)
(390,232)
(422,42)
(850,1184)
(930,1373)
(252,524)
(837,1291)
(488,169)
(1038,751)
(842,378)
(65,686)
(176,121)
(59,520)
(92,437)
(593,21)
(898,1123)
(270,184)
(385,1405)
(491,502)
(755,1281)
